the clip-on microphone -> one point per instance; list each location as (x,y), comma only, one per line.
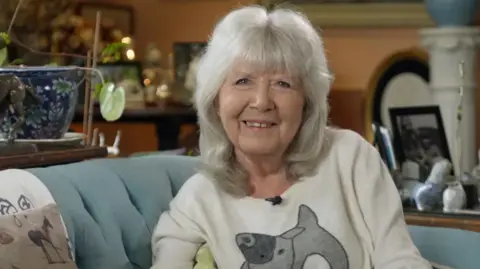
(276,200)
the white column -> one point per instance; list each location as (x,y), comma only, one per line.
(448,47)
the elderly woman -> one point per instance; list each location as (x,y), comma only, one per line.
(278,188)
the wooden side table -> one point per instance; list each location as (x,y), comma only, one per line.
(48,158)
(470,222)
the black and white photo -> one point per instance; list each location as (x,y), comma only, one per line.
(419,136)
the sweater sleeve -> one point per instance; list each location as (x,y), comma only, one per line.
(177,237)
(383,213)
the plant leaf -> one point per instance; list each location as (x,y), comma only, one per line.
(5,37)
(17,62)
(3,56)
(97,91)
(113,52)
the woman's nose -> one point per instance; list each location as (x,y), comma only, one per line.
(261,98)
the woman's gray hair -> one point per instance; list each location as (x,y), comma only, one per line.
(278,40)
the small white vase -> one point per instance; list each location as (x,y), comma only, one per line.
(454,197)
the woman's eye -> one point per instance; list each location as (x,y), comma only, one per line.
(284,84)
(241,81)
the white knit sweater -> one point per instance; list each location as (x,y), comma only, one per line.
(347,216)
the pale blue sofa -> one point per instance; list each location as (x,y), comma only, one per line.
(111,206)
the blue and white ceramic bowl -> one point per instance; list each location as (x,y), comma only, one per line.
(58,86)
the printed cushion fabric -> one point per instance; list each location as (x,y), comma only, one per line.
(34,238)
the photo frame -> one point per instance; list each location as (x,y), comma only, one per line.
(419,136)
(122,16)
(400,80)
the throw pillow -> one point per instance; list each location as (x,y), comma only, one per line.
(34,238)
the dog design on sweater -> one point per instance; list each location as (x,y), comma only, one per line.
(291,249)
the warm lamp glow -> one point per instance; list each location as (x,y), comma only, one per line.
(127,40)
(130,54)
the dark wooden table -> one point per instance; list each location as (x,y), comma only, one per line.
(167,120)
(470,222)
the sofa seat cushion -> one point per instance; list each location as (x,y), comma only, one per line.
(111,206)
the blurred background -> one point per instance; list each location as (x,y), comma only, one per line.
(363,40)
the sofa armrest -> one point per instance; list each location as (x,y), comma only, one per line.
(456,248)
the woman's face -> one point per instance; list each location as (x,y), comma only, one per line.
(260,112)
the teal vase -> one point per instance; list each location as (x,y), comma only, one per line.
(452,13)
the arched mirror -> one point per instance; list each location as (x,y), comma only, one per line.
(401,80)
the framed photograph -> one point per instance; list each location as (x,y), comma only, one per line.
(184,53)
(401,80)
(419,137)
(119,16)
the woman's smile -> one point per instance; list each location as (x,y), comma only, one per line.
(260,125)
(258,129)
